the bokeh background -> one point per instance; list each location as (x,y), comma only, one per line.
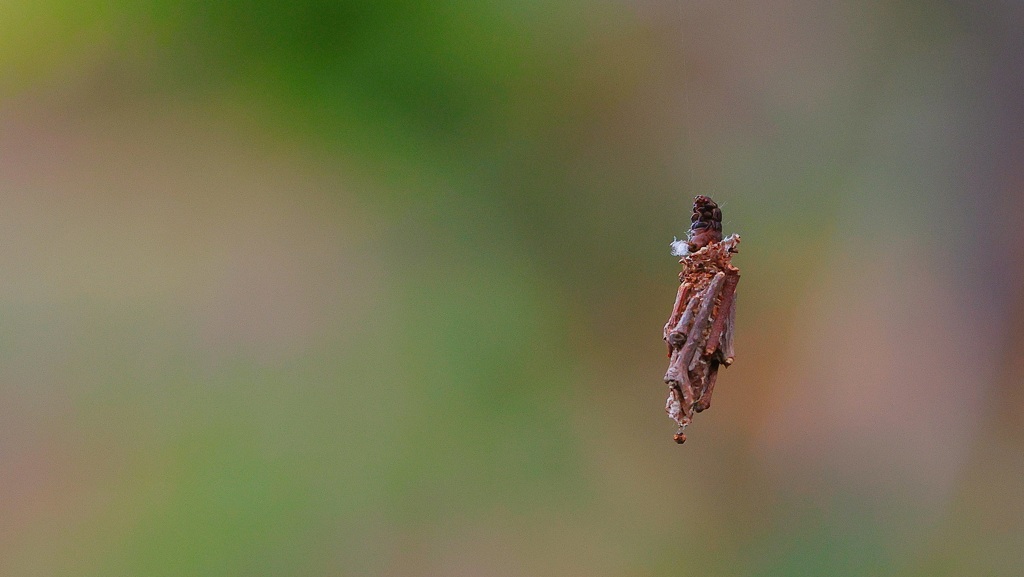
(317,288)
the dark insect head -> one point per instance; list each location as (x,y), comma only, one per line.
(706,224)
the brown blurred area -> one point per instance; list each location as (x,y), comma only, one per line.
(359,288)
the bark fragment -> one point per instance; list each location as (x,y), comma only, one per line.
(699,332)
(722,312)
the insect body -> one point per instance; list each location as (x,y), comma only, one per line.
(699,332)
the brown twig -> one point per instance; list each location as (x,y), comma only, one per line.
(699,332)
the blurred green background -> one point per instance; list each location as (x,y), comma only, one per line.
(340,288)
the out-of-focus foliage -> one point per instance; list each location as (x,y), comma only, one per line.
(376,288)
